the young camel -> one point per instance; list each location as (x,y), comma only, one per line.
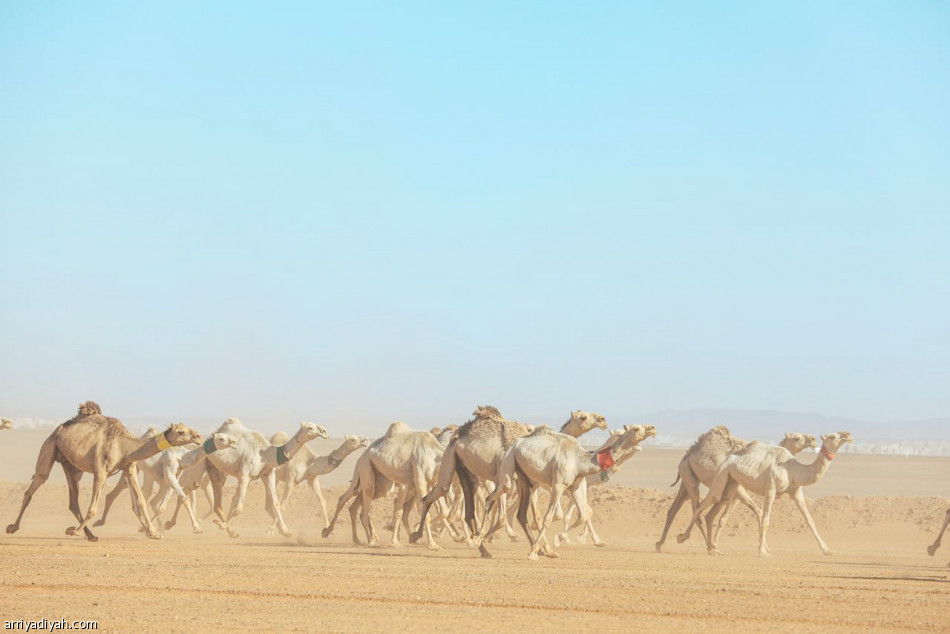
(253,457)
(191,475)
(557,462)
(93,443)
(769,472)
(932,549)
(699,466)
(307,466)
(475,455)
(163,469)
(402,456)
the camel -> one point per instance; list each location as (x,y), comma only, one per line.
(556,461)
(253,457)
(5,423)
(402,456)
(475,455)
(769,472)
(699,466)
(93,443)
(163,469)
(932,549)
(306,466)
(192,476)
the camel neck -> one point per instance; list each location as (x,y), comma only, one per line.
(145,448)
(814,472)
(193,458)
(571,429)
(336,457)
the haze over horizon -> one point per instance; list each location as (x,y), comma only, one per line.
(379,212)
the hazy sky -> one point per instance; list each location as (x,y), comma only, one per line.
(398,211)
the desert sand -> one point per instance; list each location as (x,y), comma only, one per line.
(878,513)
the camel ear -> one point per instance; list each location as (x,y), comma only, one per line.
(788,436)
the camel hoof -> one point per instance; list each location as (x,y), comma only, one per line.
(71,531)
(552,555)
(92,538)
(99,522)
(716,551)
(395,544)
(155,536)
(469,543)
(326,532)
(232,533)
(659,546)
(168,525)
(532,556)
(930,549)
(682,537)
(557,541)
(600,544)
(828,553)
(414,537)
(195,529)
(514,538)
(12,528)
(764,554)
(434,547)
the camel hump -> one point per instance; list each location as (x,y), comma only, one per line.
(487,411)
(280,438)
(397,427)
(230,424)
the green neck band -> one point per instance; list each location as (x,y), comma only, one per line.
(209,446)
(281,456)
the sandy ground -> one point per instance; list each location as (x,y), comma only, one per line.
(878,513)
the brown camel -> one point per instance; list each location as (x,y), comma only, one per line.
(99,445)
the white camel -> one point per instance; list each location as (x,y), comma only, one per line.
(253,457)
(307,466)
(556,461)
(932,549)
(402,456)
(700,464)
(768,471)
(5,423)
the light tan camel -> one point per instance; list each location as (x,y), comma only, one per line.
(307,466)
(253,457)
(475,454)
(402,456)
(93,443)
(5,423)
(932,549)
(769,471)
(699,466)
(558,463)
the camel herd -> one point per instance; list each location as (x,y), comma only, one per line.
(471,480)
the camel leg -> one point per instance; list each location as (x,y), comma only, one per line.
(237,502)
(764,524)
(397,515)
(681,496)
(349,494)
(932,549)
(171,485)
(354,520)
(217,478)
(119,487)
(98,482)
(421,490)
(739,495)
(366,498)
(315,486)
(270,494)
(691,484)
(288,489)
(556,492)
(585,515)
(469,484)
(73,476)
(44,464)
(132,476)
(564,537)
(800,501)
(714,495)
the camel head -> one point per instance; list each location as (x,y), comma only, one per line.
(311,430)
(635,434)
(435,431)
(89,408)
(587,421)
(830,443)
(5,423)
(796,442)
(178,435)
(352,443)
(223,441)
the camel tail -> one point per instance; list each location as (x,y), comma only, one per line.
(447,466)
(676,480)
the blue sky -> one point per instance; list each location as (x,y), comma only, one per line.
(361,214)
